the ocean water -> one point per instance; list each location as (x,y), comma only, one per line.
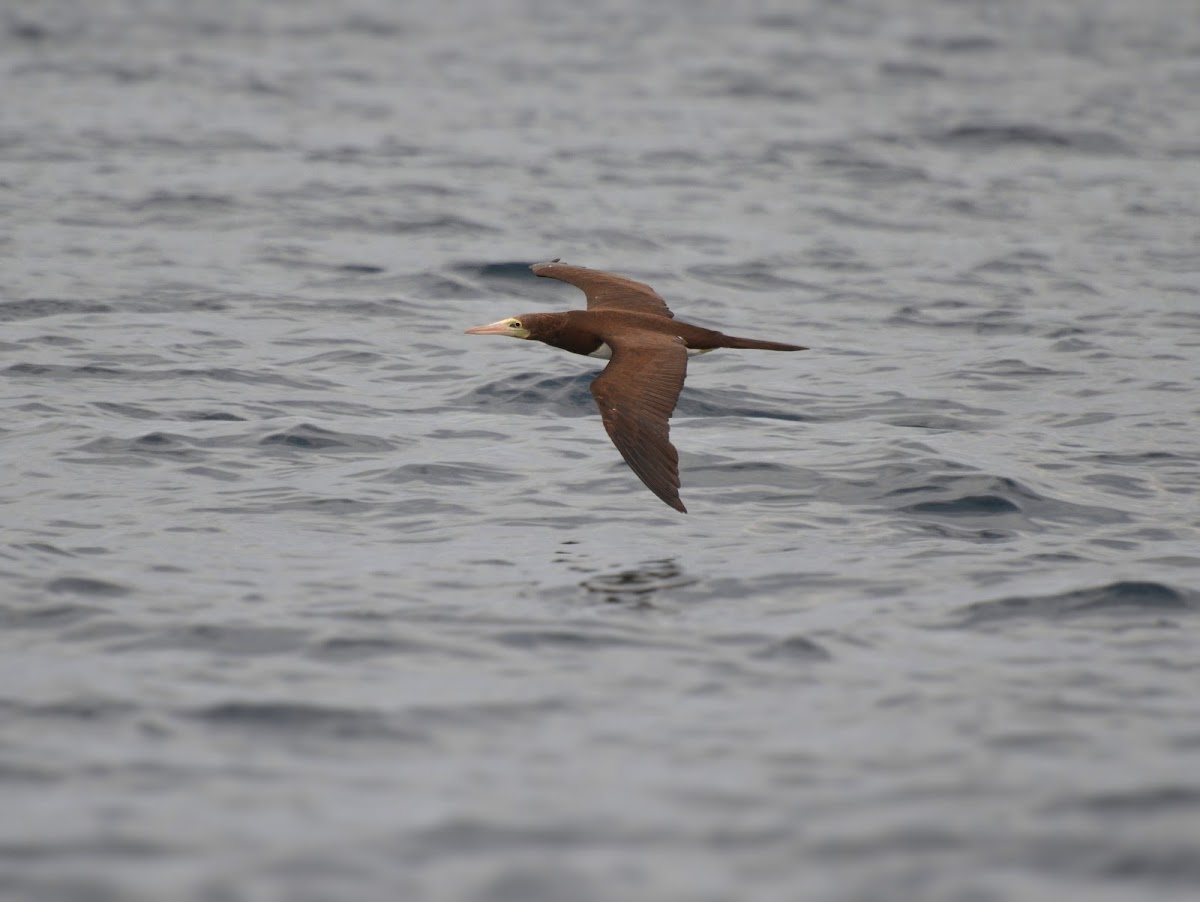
(306,595)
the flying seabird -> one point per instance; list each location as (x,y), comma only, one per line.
(628,324)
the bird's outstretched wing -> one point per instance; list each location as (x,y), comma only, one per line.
(636,394)
(606,290)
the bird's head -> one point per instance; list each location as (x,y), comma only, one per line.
(514,326)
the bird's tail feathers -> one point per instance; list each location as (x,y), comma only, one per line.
(757,345)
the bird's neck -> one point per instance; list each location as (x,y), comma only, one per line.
(561,330)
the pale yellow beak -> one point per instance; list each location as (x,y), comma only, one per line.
(512,327)
(500,328)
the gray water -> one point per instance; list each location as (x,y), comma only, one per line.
(309,596)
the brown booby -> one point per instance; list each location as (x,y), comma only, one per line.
(628,324)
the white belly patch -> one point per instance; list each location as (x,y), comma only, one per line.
(604,352)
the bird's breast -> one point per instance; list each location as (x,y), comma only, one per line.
(604,352)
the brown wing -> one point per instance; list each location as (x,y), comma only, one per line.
(605,290)
(636,393)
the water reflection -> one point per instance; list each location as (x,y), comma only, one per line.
(638,586)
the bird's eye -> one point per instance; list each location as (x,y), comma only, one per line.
(515,324)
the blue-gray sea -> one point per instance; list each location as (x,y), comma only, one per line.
(305,595)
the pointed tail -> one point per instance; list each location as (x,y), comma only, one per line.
(729,341)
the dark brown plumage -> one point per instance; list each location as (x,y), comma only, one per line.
(629,323)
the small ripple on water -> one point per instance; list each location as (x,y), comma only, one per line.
(45,616)
(1117,599)
(1167,797)
(795,648)
(154,444)
(37,308)
(298,720)
(81,585)
(59,372)
(224,639)
(308,437)
(449,473)
(638,585)
(999,136)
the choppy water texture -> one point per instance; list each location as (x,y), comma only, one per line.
(309,596)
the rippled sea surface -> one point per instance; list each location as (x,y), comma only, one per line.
(306,595)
